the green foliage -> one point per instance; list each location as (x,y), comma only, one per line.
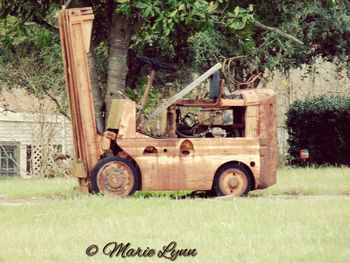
(136,94)
(322,125)
(323,26)
(205,42)
(186,32)
(239,18)
(30,54)
(101,51)
(202,31)
(182,28)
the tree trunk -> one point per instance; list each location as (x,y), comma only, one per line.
(79,3)
(119,40)
(96,92)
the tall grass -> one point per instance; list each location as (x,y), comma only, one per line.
(63,224)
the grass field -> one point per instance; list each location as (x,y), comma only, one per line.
(310,181)
(302,181)
(44,220)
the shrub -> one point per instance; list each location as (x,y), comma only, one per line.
(322,125)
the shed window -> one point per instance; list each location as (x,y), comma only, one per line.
(9,159)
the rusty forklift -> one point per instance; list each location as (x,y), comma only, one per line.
(225,145)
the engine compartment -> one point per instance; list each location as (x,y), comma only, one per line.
(193,122)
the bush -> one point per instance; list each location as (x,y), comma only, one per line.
(322,125)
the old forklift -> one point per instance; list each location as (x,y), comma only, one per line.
(223,145)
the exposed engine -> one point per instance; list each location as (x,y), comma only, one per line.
(203,123)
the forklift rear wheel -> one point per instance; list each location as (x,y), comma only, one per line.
(116,176)
(232,179)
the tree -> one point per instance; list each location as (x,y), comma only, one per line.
(272,34)
(189,33)
(30,53)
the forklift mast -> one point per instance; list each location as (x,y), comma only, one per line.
(75,27)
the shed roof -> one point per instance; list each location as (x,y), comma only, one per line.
(19,100)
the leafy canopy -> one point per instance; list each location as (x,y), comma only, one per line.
(187,32)
(30,52)
(266,31)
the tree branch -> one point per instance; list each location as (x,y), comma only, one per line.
(20,22)
(58,105)
(67,4)
(278,31)
(45,24)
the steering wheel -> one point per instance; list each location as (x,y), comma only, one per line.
(156,64)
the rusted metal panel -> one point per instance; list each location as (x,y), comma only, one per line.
(170,169)
(122,114)
(267,135)
(79,169)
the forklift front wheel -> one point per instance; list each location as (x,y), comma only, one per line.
(232,179)
(116,176)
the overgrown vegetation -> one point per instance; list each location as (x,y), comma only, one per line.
(30,55)
(191,34)
(322,125)
(274,34)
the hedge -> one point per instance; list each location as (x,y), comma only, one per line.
(322,125)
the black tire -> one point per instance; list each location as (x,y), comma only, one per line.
(99,176)
(210,193)
(244,180)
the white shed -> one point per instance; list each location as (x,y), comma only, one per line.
(28,141)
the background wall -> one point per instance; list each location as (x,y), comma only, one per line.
(320,79)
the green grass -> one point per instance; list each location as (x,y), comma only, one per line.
(239,230)
(310,181)
(301,181)
(59,224)
(20,188)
